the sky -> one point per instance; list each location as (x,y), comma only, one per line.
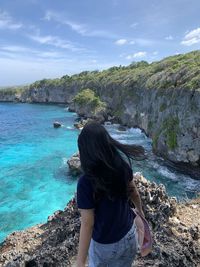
(48,39)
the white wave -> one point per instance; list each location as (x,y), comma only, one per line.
(114,135)
(64,161)
(167,173)
(135,130)
(186,180)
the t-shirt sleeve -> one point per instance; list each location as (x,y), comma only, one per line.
(85,198)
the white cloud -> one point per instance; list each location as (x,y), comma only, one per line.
(129,57)
(155,53)
(138,41)
(17,52)
(134,25)
(140,54)
(79,28)
(54,41)
(6,22)
(169,38)
(121,42)
(14,48)
(192,37)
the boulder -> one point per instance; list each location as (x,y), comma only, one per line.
(57,124)
(74,165)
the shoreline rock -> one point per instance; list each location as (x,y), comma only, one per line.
(57,124)
(74,165)
(175,227)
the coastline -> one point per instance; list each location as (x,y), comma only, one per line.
(182,167)
(149,96)
(55,243)
(39,231)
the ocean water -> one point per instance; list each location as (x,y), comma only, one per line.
(34,177)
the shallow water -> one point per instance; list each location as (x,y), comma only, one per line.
(34,175)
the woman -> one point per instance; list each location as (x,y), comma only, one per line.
(103,193)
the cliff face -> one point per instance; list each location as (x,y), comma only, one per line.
(163,98)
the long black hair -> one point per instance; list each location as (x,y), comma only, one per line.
(103,160)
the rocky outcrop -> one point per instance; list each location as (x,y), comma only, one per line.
(87,103)
(74,165)
(175,228)
(81,122)
(162,98)
(57,124)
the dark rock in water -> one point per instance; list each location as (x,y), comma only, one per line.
(78,119)
(114,119)
(185,168)
(71,109)
(57,124)
(122,128)
(78,125)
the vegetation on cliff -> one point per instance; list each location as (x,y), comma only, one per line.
(170,128)
(181,71)
(13,90)
(88,97)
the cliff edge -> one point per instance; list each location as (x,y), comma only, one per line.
(175,227)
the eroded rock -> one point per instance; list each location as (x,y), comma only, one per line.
(74,165)
(174,226)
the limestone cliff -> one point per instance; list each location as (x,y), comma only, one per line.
(163,98)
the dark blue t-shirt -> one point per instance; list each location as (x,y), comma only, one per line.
(113,218)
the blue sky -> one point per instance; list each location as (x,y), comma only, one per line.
(48,39)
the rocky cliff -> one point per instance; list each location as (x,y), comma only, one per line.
(175,228)
(163,98)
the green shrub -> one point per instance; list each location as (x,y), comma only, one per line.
(163,106)
(171,128)
(88,97)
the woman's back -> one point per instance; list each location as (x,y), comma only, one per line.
(113,217)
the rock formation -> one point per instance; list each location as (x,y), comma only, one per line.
(74,165)
(57,124)
(175,228)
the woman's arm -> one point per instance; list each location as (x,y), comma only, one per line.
(87,223)
(135,197)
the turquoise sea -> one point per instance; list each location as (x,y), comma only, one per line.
(34,178)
